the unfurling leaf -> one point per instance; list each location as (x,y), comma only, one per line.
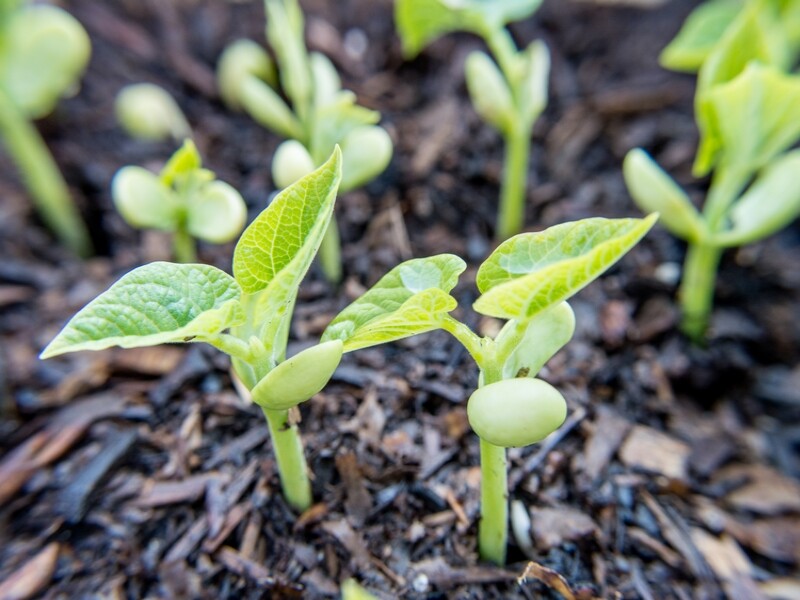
(531,272)
(155,304)
(412,298)
(276,250)
(701,31)
(544,335)
(489,92)
(655,191)
(771,203)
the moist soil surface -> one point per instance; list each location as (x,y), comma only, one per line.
(141,473)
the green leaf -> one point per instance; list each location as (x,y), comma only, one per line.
(278,247)
(701,31)
(144,201)
(771,204)
(419,22)
(533,87)
(239,61)
(327,82)
(268,109)
(44,52)
(285,35)
(154,304)
(184,161)
(754,36)
(489,92)
(655,191)
(336,120)
(412,298)
(217,213)
(543,336)
(531,272)
(753,118)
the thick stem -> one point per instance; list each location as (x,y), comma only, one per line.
(493,527)
(291,459)
(42,177)
(330,253)
(697,289)
(183,246)
(511,215)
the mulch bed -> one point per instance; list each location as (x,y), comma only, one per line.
(128,474)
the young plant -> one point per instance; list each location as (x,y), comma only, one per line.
(748,113)
(526,281)
(508,94)
(43,51)
(184,199)
(148,112)
(247,316)
(320,114)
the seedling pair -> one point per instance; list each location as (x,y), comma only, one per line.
(43,51)
(320,114)
(525,281)
(184,199)
(509,94)
(748,113)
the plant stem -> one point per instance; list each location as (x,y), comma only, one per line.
(697,289)
(511,215)
(42,177)
(183,246)
(292,467)
(493,526)
(330,253)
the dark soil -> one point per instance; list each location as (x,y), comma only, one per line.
(128,474)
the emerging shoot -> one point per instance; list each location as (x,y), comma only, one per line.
(509,92)
(247,316)
(526,281)
(184,199)
(319,115)
(43,52)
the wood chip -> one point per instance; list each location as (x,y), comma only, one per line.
(33,576)
(552,579)
(439,573)
(609,430)
(553,526)
(235,562)
(650,450)
(729,563)
(358,502)
(765,492)
(161,493)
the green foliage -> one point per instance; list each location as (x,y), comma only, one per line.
(43,51)
(247,316)
(527,281)
(318,116)
(148,112)
(184,199)
(509,94)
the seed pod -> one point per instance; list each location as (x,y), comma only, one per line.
(290,163)
(148,112)
(489,91)
(516,412)
(298,378)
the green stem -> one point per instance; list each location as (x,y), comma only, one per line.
(291,459)
(697,288)
(504,50)
(330,253)
(42,177)
(511,215)
(183,246)
(493,527)
(468,338)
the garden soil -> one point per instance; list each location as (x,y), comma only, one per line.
(141,473)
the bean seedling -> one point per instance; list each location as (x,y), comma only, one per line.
(246,315)
(509,94)
(322,114)
(184,199)
(748,113)
(43,51)
(526,281)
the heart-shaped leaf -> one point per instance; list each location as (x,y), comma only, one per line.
(411,298)
(44,52)
(771,203)
(655,191)
(531,272)
(154,304)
